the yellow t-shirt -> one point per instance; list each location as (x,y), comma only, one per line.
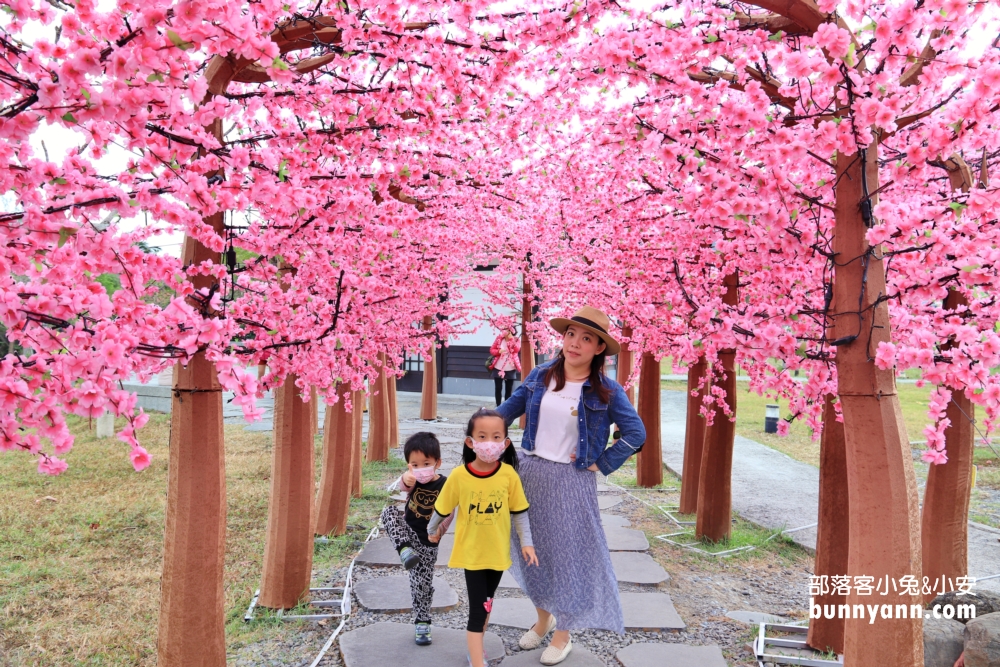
(484,505)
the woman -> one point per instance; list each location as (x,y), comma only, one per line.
(571,405)
(506,351)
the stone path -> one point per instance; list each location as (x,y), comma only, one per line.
(391,645)
(665,655)
(392,595)
(775,491)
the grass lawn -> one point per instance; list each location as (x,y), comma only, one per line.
(82,552)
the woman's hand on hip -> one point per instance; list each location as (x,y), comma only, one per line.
(593,467)
(529,555)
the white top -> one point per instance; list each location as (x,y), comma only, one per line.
(558,423)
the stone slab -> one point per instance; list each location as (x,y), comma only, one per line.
(392,595)
(603,488)
(637,568)
(578,657)
(607,502)
(625,539)
(674,655)
(380,553)
(382,644)
(508,581)
(513,613)
(398,497)
(615,520)
(650,612)
(755,617)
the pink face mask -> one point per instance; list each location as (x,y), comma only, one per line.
(489,451)
(423,475)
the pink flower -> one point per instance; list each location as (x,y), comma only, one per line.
(835,40)
(934,456)
(885,356)
(50,465)
(140,458)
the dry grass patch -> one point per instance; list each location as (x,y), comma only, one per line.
(79,580)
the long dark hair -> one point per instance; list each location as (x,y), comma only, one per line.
(509,455)
(558,371)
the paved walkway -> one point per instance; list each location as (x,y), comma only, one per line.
(775,491)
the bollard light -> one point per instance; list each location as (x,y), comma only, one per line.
(771,415)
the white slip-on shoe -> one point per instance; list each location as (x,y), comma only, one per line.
(531,639)
(553,656)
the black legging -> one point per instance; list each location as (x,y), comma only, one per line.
(482,584)
(508,386)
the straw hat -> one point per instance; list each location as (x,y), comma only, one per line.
(590,319)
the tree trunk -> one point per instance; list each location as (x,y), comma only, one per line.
(833,531)
(288,547)
(626,363)
(429,396)
(335,486)
(527,350)
(945,519)
(192,601)
(357,458)
(378,418)
(715,497)
(694,439)
(649,461)
(885,538)
(393,412)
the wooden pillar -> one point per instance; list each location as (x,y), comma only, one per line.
(393,412)
(428,395)
(833,530)
(288,546)
(715,497)
(626,363)
(378,417)
(192,600)
(945,518)
(335,486)
(649,461)
(885,534)
(527,349)
(694,438)
(357,458)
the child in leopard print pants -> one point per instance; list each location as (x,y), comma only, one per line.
(408,529)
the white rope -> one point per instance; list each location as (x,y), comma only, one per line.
(345,602)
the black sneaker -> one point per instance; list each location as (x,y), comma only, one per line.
(409,557)
(423,634)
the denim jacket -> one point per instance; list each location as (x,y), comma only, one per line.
(595,421)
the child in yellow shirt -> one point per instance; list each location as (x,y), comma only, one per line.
(489,498)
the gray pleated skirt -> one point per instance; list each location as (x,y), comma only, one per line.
(574,579)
